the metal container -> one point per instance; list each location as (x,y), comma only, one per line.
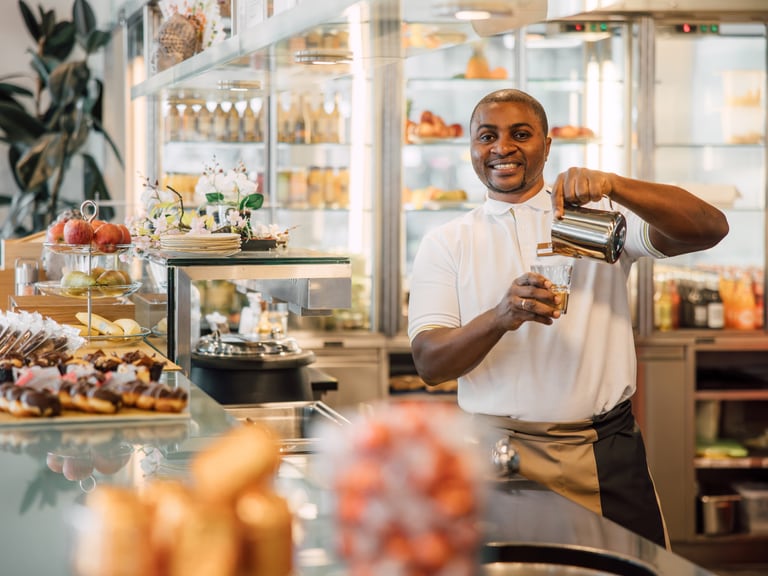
(718,514)
(587,232)
(236,370)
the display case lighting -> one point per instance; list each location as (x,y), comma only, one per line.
(239,85)
(323,57)
(472,9)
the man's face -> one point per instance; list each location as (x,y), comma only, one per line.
(509,150)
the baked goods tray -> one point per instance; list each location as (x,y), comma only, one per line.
(67,417)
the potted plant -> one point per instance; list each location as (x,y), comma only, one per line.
(48,126)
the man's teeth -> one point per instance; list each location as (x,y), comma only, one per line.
(506,166)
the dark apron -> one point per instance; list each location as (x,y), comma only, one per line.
(599,463)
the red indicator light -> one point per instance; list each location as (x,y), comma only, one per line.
(686,28)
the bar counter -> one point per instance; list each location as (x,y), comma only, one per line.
(38,504)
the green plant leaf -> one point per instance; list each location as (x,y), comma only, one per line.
(42,160)
(83,17)
(48,22)
(30,20)
(68,82)
(42,67)
(18,125)
(9,89)
(78,136)
(96,40)
(94,187)
(61,41)
(252,201)
(214,197)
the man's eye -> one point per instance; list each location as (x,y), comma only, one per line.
(521,135)
(487,137)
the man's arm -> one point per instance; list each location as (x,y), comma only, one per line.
(442,354)
(679,221)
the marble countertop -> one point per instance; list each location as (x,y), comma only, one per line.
(38,502)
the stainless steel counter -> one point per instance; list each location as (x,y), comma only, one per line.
(38,502)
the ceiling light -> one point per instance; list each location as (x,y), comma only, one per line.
(472,9)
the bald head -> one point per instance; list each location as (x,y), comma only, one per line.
(516,96)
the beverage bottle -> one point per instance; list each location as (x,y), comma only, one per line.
(233,124)
(335,128)
(715,307)
(744,304)
(727,288)
(699,306)
(219,123)
(663,307)
(249,120)
(315,193)
(204,123)
(301,124)
(188,124)
(173,124)
(758,289)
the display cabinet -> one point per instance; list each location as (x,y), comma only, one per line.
(701,335)
(581,73)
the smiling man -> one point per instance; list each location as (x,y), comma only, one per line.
(559,385)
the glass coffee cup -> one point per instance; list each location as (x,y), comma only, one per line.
(557,270)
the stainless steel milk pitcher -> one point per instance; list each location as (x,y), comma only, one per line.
(587,232)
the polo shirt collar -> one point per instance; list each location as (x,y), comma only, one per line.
(540,203)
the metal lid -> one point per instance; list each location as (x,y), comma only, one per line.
(235,345)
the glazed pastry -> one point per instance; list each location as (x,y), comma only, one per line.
(130,391)
(103,401)
(4,402)
(168,399)
(64,390)
(13,398)
(36,403)
(6,368)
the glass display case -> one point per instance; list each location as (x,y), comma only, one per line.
(712,142)
(578,70)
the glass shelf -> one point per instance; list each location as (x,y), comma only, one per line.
(54,288)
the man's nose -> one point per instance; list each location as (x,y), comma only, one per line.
(505,144)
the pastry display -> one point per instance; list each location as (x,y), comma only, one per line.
(97,383)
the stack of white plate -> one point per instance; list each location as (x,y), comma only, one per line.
(219,243)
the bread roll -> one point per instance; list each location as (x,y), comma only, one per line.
(244,456)
(267,534)
(113,536)
(207,543)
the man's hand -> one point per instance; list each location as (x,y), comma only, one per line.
(579,186)
(528,299)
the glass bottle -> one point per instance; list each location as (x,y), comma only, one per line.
(204,123)
(715,307)
(233,124)
(219,123)
(249,128)
(173,124)
(301,124)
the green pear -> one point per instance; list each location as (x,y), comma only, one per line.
(77,279)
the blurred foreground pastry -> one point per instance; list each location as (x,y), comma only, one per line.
(227,521)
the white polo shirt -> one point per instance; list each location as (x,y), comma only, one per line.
(580,366)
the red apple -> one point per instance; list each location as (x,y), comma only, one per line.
(55,233)
(107,236)
(77,231)
(126,234)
